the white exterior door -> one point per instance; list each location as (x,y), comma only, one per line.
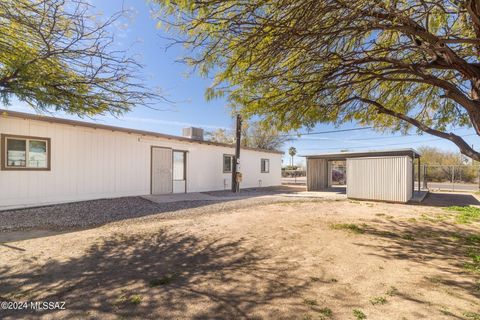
(162,180)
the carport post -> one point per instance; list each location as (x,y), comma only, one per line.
(419,175)
(453,178)
(413,173)
(425,168)
(478,176)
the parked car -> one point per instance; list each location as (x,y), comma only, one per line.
(338,176)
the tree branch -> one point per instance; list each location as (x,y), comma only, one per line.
(465,148)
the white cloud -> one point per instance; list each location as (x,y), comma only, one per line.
(170,122)
(23,107)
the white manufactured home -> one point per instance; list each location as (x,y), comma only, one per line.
(47,160)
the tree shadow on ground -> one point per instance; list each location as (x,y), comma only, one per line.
(446,199)
(442,244)
(30,223)
(161,275)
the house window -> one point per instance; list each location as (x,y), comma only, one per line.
(227,163)
(265,165)
(179,165)
(25,153)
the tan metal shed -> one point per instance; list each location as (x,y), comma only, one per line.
(386,175)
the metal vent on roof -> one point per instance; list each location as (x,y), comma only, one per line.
(193,133)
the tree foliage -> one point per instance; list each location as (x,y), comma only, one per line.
(254,135)
(435,156)
(393,64)
(55,55)
(447,166)
(220,136)
(292,151)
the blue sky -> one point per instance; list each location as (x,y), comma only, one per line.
(139,35)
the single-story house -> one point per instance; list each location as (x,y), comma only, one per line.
(46,160)
(386,175)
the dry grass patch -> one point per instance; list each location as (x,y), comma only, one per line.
(466,214)
(351,227)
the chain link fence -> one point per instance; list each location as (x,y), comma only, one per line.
(298,176)
(463,178)
(449,177)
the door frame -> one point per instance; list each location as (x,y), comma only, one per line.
(151,167)
(330,164)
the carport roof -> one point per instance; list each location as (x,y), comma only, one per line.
(364,154)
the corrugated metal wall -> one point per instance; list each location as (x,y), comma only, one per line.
(92,163)
(380,178)
(317,174)
(410,178)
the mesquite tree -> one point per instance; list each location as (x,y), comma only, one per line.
(56,55)
(393,64)
(254,135)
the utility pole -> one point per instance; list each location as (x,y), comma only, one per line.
(236,159)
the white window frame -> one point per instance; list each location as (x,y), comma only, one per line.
(231,162)
(267,161)
(184,165)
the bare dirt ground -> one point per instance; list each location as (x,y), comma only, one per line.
(286,260)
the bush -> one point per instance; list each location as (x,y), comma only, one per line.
(293,173)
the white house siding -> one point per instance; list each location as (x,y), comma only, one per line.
(88,163)
(380,178)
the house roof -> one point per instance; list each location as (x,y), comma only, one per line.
(37,117)
(363,154)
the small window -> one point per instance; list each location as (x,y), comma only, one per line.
(37,154)
(16,153)
(25,153)
(179,165)
(227,163)
(265,165)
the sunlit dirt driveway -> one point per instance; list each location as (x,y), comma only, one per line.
(285,260)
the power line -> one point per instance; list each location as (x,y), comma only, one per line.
(324,132)
(390,144)
(376,138)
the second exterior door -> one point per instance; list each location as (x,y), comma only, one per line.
(162,180)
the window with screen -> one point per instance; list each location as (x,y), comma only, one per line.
(265,165)
(25,153)
(227,163)
(178,165)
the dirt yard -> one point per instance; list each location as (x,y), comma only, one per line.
(287,260)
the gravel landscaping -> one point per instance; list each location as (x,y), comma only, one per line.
(98,212)
(87,213)
(78,215)
(255,192)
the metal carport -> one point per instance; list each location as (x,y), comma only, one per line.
(386,175)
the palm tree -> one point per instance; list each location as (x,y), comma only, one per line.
(292,151)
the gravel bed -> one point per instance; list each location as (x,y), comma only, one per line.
(97,212)
(247,192)
(86,213)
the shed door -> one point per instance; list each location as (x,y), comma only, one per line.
(161,170)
